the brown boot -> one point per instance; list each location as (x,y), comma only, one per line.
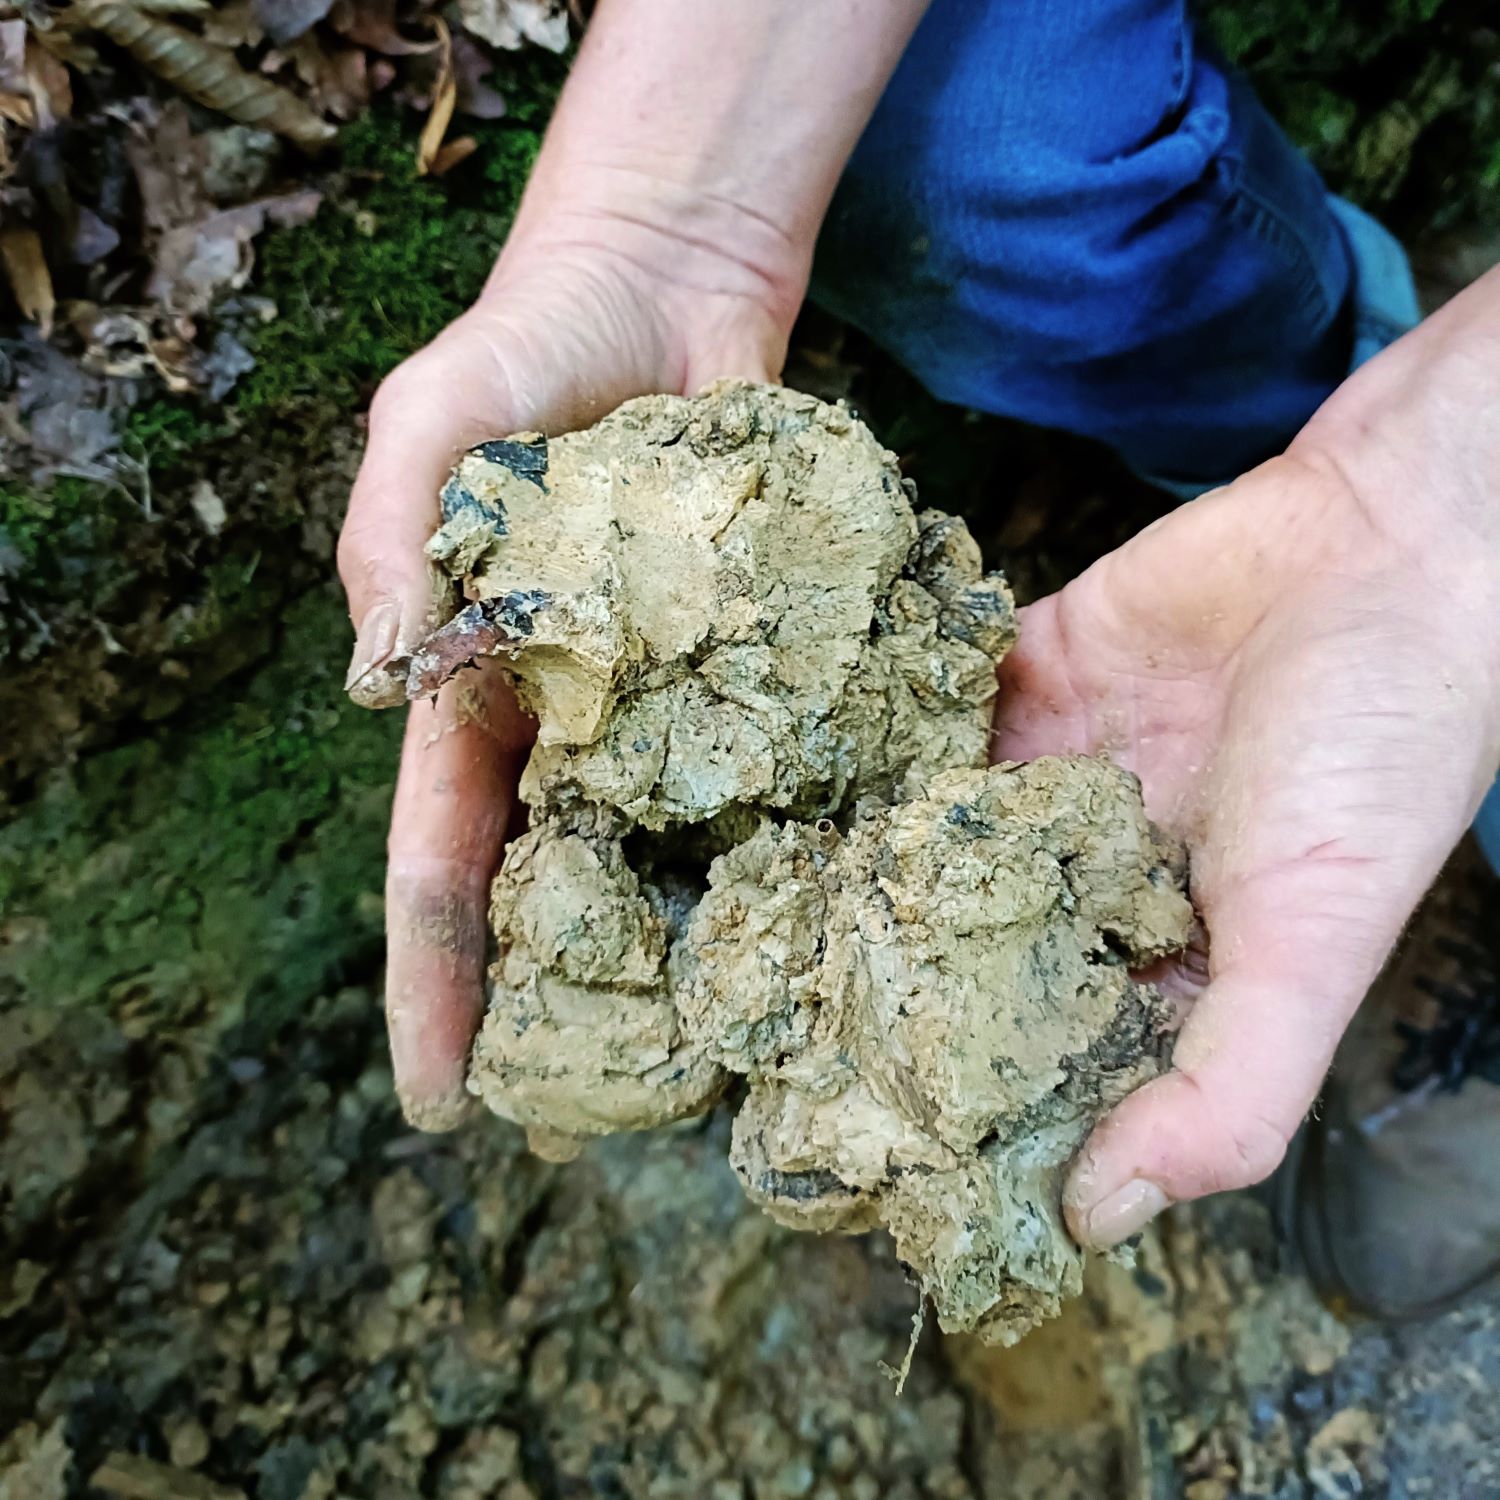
(1391,1197)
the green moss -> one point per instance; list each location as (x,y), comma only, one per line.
(34,518)
(231,859)
(381,272)
(1396,101)
(164,433)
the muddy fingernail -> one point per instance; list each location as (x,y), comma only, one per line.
(375,641)
(1118,1215)
(435,1113)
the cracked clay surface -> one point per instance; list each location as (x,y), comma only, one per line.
(766,855)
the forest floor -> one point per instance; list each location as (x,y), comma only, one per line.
(226,1266)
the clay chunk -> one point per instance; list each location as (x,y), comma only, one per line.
(766,855)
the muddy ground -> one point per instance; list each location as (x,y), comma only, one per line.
(227,1268)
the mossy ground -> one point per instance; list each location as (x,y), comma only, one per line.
(232,857)
(1396,99)
(226,866)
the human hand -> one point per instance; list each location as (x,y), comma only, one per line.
(664,241)
(1302,669)
(578,317)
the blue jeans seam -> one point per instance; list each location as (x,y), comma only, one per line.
(1274,230)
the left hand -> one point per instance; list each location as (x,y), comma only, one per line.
(1304,670)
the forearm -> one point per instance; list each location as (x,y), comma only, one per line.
(724,123)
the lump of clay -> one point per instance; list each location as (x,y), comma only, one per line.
(726,604)
(931,1011)
(765,846)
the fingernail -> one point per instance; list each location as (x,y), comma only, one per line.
(1118,1215)
(375,641)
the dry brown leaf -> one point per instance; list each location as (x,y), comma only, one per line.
(337,76)
(18,109)
(195,262)
(51,87)
(372,23)
(26,270)
(450,153)
(510,23)
(206,73)
(444,97)
(233,25)
(169,161)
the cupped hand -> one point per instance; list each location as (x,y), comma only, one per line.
(1301,668)
(579,316)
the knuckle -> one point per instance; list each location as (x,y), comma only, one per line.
(352,555)
(1253,1148)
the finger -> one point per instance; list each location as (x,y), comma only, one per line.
(417,432)
(1295,952)
(454,799)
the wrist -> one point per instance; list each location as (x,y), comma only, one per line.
(685,287)
(690,245)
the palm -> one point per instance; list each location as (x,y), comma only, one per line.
(1261,660)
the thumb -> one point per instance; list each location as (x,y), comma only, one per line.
(1293,953)
(417,430)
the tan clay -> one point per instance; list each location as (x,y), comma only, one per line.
(765,845)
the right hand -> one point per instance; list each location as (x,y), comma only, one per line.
(582,312)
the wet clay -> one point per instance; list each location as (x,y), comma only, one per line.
(766,856)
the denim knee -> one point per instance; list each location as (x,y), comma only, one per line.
(1134,252)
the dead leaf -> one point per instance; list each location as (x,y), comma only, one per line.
(65,413)
(35,89)
(26,270)
(50,86)
(195,262)
(372,24)
(450,153)
(18,109)
(510,23)
(209,74)
(90,238)
(169,161)
(471,66)
(285,20)
(116,341)
(13,56)
(337,76)
(233,25)
(34,1465)
(444,97)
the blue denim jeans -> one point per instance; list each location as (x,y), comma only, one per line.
(1074,213)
